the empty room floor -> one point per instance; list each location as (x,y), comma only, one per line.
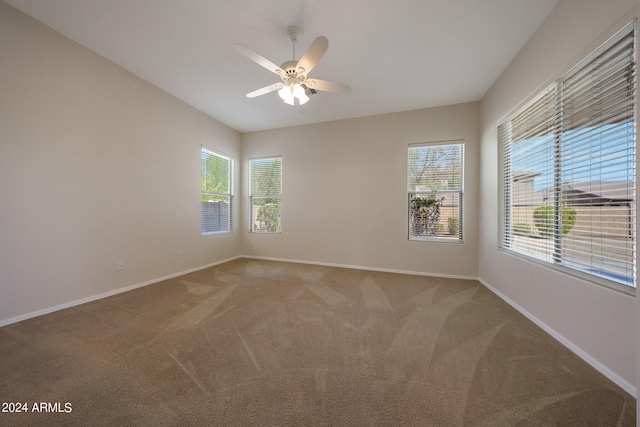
(254,342)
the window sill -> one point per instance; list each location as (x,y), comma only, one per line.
(591,278)
(216,233)
(437,239)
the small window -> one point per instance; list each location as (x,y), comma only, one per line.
(567,165)
(435,190)
(266,194)
(216,172)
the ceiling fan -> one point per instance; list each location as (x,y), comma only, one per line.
(296,86)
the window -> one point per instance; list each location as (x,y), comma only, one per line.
(435,184)
(266,194)
(215,183)
(567,165)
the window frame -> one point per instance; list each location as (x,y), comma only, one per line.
(254,196)
(559,141)
(433,193)
(204,192)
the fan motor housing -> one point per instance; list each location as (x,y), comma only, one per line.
(289,67)
(292,74)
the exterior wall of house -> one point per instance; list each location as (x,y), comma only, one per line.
(345,191)
(596,322)
(96,166)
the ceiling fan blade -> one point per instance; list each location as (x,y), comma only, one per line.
(265,90)
(312,55)
(258,59)
(328,86)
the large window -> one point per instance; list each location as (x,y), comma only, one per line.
(266,194)
(216,192)
(568,169)
(435,185)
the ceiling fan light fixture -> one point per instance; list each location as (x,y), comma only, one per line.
(290,93)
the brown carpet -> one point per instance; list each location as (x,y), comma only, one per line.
(269,343)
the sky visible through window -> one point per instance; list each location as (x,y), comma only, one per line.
(603,153)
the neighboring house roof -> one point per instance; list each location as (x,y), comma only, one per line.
(524,176)
(589,193)
(603,190)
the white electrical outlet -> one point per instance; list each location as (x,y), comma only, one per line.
(179,254)
(119,265)
(303,246)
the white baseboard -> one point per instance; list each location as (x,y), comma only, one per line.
(360,267)
(625,385)
(107,294)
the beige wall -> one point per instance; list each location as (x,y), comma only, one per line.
(96,166)
(596,322)
(345,191)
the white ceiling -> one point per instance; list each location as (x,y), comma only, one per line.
(396,55)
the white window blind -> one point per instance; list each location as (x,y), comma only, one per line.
(266,194)
(567,163)
(435,190)
(216,192)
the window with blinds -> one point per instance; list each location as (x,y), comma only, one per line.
(216,192)
(435,189)
(567,167)
(266,194)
